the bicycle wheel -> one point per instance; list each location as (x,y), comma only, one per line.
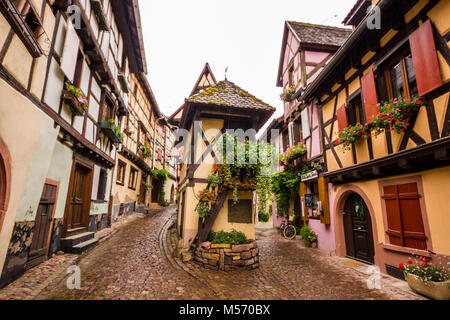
(289,232)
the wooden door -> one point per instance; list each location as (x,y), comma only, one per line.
(43,224)
(143,191)
(358,230)
(298,212)
(76,217)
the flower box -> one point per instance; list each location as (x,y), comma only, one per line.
(109,129)
(74,104)
(431,289)
(123,82)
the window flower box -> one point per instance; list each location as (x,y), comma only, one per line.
(123,82)
(112,131)
(431,289)
(288,95)
(100,15)
(75,99)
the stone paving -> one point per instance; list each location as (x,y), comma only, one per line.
(139,262)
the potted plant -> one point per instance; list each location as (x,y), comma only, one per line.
(145,151)
(75,99)
(292,154)
(426,279)
(353,134)
(309,237)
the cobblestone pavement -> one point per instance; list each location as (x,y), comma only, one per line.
(138,263)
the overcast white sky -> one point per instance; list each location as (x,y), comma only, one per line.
(244,35)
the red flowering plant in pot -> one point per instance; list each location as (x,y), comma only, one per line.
(206,199)
(394,115)
(353,134)
(427,279)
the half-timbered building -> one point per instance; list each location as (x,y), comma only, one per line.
(218,107)
(67,69)
(389,189)
(306,49)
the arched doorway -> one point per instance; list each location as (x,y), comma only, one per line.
(358,229)
(5,183)
(156,191)
(172,194)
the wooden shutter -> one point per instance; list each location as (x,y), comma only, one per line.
(425,59)
(404,216)
(306,131)
(70,52)
(393,216)
(303,191)
(369,92)
(342,117)
(411,214)
(323,197)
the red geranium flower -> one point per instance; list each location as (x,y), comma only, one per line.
(401,266)
(410,262)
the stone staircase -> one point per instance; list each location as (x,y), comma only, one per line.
(79,243)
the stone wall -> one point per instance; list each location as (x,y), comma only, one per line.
(226,257)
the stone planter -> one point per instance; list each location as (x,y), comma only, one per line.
(433,290)
(226,257)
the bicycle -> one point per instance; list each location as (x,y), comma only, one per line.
(287,230)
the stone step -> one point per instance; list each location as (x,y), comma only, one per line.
(83,246)
(75,240)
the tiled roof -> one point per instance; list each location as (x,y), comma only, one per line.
(320,34)
(226,93)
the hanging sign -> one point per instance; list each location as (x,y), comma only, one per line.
(310,175)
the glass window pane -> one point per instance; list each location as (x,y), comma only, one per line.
(414,93)
(397,81)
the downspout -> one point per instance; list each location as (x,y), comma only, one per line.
(154,142)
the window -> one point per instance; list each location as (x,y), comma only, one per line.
(108,110)
(400,77)
(314,199)
(102,181)
(404,216)
(132,180)
(78,70)
(354,111)
(291,76)
(121,168)
(26,23)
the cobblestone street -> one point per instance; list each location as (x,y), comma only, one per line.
(138,263)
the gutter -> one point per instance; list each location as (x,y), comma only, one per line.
(340,53)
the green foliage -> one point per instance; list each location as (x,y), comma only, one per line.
(263,216)
(288,94)
(116,128)
(353,134)
(308,235)
(214,180)
(233,237)
(147,186)
(145,150)
(162,175)
(283,184)
(202,209)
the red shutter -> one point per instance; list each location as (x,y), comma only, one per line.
(412,222)
(342,117)
(404,216)
(369,92)
(425,59)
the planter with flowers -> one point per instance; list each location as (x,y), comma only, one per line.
(309,237)
(206,199)
(353,134)
(293,155)
(288,95)
(426,279)
(75,99)
(394,115)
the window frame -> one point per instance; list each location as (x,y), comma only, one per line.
(132,178)
(121,180)
(400,56)
(20,26)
